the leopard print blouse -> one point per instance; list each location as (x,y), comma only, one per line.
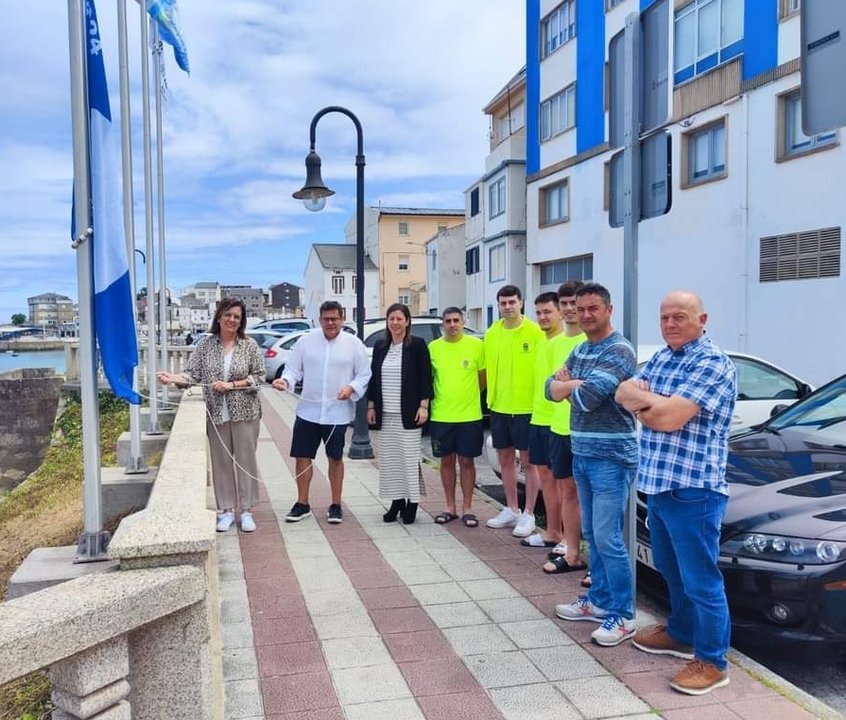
(206,366)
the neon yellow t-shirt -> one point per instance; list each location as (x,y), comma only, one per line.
(510,357)
(561,415)
(546,364)
(455,373)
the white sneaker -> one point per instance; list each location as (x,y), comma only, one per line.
(224,521)
(247,522)
(613,631)
(506,518)
(525,525)
(582,609)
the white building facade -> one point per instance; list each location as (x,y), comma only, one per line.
(756,216)
(330,274)
(445,278)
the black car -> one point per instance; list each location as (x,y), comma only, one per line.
(783,539)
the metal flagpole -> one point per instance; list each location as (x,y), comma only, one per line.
(135,464)
(93,541)
(163,326)
(154,427)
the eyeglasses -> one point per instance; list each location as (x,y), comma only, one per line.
(330,319)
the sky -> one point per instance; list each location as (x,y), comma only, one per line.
(235,133)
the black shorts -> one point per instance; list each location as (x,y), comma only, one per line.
(463,438)
(540,445)
(561,456)
(307,436)
(510,431)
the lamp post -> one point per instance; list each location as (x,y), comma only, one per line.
(314,194)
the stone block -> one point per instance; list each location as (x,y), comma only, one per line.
(165,417)
(45,567)
(150,445)
(122,493)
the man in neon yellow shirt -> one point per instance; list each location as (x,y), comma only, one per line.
(511,345)
(455,425)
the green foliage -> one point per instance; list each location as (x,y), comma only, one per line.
(18,319)
(26,699)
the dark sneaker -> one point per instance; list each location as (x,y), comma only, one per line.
(698,677)
(298,512)
(335,514)
(657,641)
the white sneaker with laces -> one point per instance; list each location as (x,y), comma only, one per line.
(506,518)
(525,525)
(582,609)
(224,521)
(614,629)
(247,522)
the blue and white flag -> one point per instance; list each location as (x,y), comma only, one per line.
(166,14)
(113,316)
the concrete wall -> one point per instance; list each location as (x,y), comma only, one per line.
(28,402)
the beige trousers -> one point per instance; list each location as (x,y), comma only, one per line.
(234,478)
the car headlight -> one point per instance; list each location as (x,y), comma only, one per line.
(781,548)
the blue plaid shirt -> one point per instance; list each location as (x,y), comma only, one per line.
(694,456)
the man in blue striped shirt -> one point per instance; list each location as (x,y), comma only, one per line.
(604,461)
(684,397)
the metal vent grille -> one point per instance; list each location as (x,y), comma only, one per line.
(800,256)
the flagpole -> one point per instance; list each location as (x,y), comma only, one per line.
(92,543)
(154,428)
(157,71)
(135,463)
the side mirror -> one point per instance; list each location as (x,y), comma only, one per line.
(781,407)
(803,389)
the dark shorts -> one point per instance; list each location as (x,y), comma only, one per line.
(308,435)
(463,438)
(540,445)
(510,431)
(561,456)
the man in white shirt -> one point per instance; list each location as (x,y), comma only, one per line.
(334,369)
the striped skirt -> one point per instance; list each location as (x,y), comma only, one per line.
(400,475)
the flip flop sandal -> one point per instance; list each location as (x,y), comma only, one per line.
(561,565)
(445,517)
(559,550)
(470,520)
(536,540)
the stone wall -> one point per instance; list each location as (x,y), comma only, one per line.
(29,400)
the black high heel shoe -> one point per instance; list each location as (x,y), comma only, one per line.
(397,507)
(409,513)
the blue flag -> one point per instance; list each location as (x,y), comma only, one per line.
(113,317)
(166,15)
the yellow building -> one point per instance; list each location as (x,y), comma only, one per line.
(395,239)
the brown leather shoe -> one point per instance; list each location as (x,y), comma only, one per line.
(656,640)
(698,677)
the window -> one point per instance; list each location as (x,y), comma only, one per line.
(800,256)
(706,154)
(496,263)
(558,28)
(574,268)
(558,113)
(337,284)
(354,283)
(404,296)
(441,228)
(758,381)
(555,204)
(496,197)
(403,228)
(403,262)
(707,33)
(794,141)
(788,8)
(474,202)
(471,260)
(434,259)
(613,3)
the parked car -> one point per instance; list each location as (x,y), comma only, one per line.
(427,327)
(783,538)
(264,338)
(285,325)
(277,352)
(762,389)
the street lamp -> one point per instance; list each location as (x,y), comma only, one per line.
(314,194)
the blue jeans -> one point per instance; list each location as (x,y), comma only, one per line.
(684,526)
(603,487)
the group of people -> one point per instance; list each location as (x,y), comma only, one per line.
(566,393)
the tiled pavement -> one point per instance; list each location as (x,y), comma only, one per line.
(367,620)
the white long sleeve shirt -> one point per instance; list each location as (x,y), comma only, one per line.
(331,364)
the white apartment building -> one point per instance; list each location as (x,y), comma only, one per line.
(330,274)
(445,279)
(757,209)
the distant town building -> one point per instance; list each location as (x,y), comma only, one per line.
(208,292)
(330,274)
(253,298)
(445,280)
(395,240)
(286,296)
(52,311)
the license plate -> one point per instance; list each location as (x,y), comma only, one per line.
(644,555)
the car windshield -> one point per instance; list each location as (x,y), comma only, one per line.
(825,408)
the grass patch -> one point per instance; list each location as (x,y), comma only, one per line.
(46,510)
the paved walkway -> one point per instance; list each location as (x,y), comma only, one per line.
(367,620)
